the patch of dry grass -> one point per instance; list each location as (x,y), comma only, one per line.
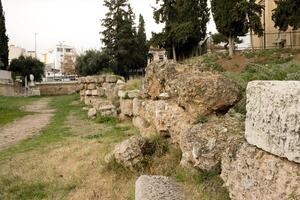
(74,167)
(134,84)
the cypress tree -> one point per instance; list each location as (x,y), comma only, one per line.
(142,44)
(3,41)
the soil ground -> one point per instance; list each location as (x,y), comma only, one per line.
(27,126)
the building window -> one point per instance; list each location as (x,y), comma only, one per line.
(60,49)
(68,50)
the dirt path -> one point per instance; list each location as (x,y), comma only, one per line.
(27,126)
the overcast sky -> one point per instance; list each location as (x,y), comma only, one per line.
(77,22)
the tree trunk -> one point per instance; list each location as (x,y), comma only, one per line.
(174,53)
(231,46)
(251,39)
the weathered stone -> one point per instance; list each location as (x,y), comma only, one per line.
(136,106)
(108,110)
(132,151)
(100,79)
(157,188)
(126,107)
(273,117)
(95,93)
(140,123)
(82,92)
(122,94)
(198,92)
(111,79)
(253,174)
(82,86)
(88,92)
(164,96)
(202,145)
(133,94)
(92,113)
(166,118)
(91,86)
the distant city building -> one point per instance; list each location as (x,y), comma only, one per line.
(156,54)
(15,52)
(273,38)
(60,62)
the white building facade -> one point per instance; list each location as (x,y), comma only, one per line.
(54,60)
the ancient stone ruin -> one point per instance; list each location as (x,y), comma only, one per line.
(269,169)
(193,109)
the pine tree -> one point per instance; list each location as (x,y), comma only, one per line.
(230,20)
(3,41)
(287,14)
(142,44)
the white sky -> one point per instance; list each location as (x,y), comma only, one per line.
(77,22)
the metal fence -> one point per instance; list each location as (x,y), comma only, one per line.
(271,40)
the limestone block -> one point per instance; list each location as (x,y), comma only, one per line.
(131,151)
(136,106)
(95,93)
(122,94)
(157,188)
(82,92)
(111,79)
(126,107)
(91,86)
(250,173)
(92,113)
(100,79)
(133,94)
(82,86)
(273,117)
(88,92)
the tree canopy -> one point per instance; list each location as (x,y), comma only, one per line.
(3,41)
(185,25)
(24,66)
(92,62)
(234,18)
(125,46)
(287,14)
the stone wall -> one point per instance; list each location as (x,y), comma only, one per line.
(7,90)
(267,165)
(57,88)
(101,92)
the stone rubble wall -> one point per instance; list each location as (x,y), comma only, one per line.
(266,166)
(100,92)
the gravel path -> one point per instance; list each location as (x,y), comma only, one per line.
(27,126)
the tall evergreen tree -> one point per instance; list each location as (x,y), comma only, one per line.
(185,25)
(253,14)
(230,20)
(3,41)
(287,14)
(142,44)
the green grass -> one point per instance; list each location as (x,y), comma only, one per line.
(252,72)
(54,132)
(10,108)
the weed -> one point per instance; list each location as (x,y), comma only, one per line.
(106,120)
(201,119)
